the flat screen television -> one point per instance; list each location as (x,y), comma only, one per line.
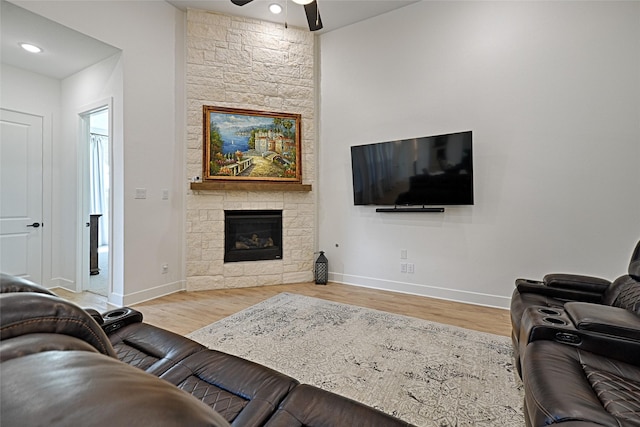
(427,171)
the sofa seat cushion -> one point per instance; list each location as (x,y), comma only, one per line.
(151,349)
(619,395)
(563,383)
(309,406)
(245,393)
(229,405)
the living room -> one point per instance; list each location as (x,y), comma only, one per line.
(549,89)
(552,101)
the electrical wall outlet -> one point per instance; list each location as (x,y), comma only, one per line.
(141,193)
(403,267)
(411,268)
(403,254)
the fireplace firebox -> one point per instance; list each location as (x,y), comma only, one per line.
(252,235)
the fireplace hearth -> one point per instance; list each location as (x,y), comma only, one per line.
(252,235)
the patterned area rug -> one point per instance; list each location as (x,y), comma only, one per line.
(425,373)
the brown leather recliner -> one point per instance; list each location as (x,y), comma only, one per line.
(576,341)
(60,368)
(568,386)
(244,393)
(540,303)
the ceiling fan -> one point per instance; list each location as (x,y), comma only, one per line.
(310,8)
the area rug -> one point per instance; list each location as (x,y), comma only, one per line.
(423,372)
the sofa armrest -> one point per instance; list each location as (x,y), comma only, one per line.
(576,282)
(96,315)
(604,320)
(119,318)
(536,287)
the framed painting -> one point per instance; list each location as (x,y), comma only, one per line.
(246,145)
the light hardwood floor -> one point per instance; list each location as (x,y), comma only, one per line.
(184,312)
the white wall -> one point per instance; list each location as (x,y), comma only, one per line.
(551,91)
(150,232)
(39,95)
(96,86)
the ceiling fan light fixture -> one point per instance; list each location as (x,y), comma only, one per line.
(30,47)
(302,2)
(275,8)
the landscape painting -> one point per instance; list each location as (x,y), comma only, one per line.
(251,145)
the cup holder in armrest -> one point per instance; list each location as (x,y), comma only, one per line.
(115,313)
(549,311)
(120,317)
(554,321)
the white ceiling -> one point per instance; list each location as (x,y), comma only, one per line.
(67,51)
(334,13)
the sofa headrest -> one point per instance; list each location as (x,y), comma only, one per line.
(80,388)
(36,343)
(24,313)
(10,284)
(634,264)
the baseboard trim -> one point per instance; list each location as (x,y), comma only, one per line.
(61,282)
(147,294)
(468,297)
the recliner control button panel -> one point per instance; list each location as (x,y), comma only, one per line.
(568,338)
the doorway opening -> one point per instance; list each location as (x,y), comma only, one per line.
(98,151)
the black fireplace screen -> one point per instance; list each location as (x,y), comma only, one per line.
(252,235)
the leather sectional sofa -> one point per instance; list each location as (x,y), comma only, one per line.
(576,343)
(62,365)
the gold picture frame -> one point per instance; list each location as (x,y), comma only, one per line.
(248,145)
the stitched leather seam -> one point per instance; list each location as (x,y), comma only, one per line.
(539,405)
(243,402)
(197,375)
(606,403)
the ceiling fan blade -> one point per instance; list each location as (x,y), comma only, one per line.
(313,16)
(241,2)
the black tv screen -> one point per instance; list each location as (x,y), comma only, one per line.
(432,170)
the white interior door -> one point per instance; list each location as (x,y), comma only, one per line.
(21,213)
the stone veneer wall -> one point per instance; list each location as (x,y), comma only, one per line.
(244,63)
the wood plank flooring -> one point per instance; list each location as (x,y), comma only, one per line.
(184,312)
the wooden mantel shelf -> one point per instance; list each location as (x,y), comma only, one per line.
(248,186)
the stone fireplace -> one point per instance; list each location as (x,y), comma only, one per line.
(245,63)
(252,235)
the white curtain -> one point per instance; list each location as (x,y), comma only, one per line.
(99,173)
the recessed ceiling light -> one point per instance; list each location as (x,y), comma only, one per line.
(30,47)
(275,8)
(303,1)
